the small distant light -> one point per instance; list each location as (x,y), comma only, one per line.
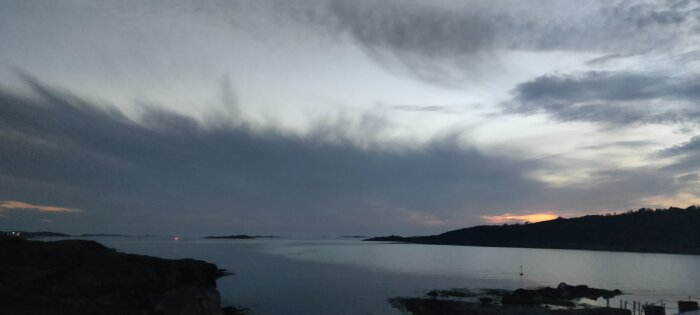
(176,238)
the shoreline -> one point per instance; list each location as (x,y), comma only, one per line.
(562,300)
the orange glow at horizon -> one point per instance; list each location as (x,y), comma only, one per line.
(509,217)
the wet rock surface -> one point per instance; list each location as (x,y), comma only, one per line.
(85,277)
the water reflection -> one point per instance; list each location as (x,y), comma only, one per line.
(277,276)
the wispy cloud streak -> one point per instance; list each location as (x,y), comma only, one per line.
(13,204)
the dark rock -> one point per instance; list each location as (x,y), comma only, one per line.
(230,310)
(190,301)
(561,296)
(485,301)
(85,277)
(687,306)
(421,306)
(522,297)
(583,291)
(450,293)
(654,310)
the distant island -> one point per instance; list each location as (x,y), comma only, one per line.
(672,230)
(353,236)
(42,234)
(104,235)
(25,234)
(232,237)
(241,237)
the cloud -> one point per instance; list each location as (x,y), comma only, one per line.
(166,171)
(646,15)
(617,98)
(682,199)
(415,26)
(636,145)
(686,157)
(11,204)
(423,108)
(690,147)
(450,43)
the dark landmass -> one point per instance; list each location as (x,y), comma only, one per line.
(353,236)
(104,235)
(543,301)
(241,237)
(429,306)
(25,234)
(392,238)
(232,237)
(85,277)
(673,230)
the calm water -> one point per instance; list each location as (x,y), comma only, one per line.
(280,276)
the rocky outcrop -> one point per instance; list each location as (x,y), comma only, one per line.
(85,277)
(563,295)
(505,302)
(429,306)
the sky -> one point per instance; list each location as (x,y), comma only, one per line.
(334,117)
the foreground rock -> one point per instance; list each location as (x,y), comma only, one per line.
(544,301)
(85,277)
(424,306)
(563,295)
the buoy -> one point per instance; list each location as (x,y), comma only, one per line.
(521,270)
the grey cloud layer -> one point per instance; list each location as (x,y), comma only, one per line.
(173,174)
(61,150)
(611,97)
(443,41)
(688,159)
(450,43)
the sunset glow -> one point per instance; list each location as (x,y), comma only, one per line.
(508,217)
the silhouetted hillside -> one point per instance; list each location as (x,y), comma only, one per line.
(672,230)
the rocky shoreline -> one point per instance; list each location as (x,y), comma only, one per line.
(562,300)
(85,277)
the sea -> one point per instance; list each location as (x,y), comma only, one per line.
(350,276)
